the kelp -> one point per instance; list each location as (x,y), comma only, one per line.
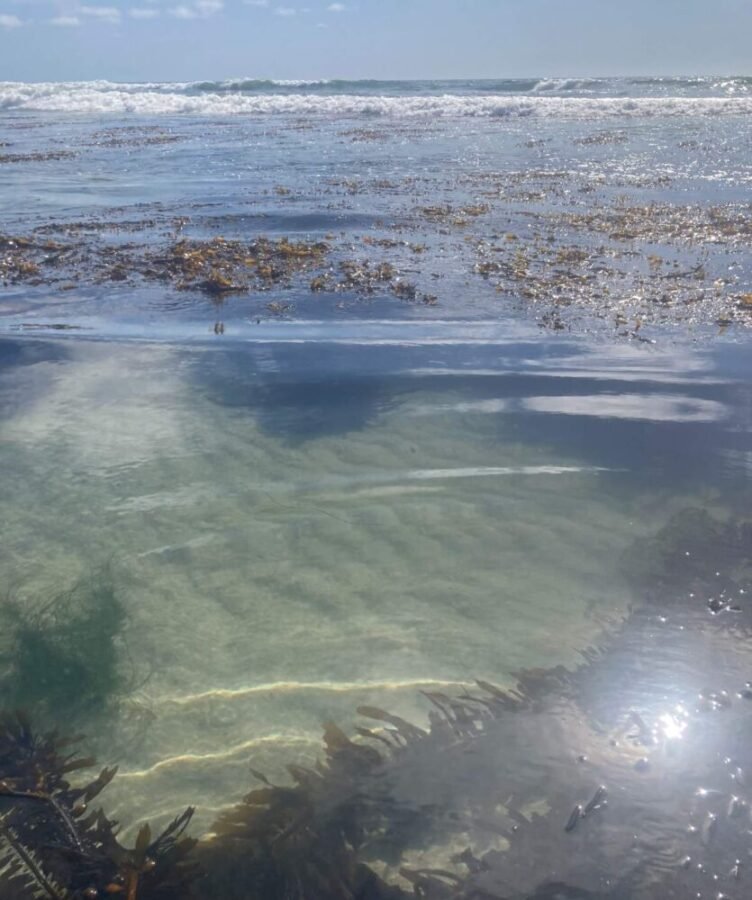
(625,777)
(52,845)
(61,659)
(347,827)
(574,247)
(223,266)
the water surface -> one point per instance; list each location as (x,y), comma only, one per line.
(308,501)
(305,525)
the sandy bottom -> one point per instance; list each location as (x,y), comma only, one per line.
(274,583)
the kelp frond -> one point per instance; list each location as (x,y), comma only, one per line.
(52,846)
(21,873)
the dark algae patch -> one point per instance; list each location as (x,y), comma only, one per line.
(63,658)
(611,781)
(673,565)
(40,156)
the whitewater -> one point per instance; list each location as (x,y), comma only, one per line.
(557,98)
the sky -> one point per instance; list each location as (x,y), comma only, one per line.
(185,40)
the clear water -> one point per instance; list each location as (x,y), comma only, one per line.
(303,526)
(346,506)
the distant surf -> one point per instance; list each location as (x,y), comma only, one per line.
(566,98)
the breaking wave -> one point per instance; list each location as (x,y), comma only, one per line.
(396,99)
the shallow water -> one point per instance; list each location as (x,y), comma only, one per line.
(302,526)
(451,204)
(344,498)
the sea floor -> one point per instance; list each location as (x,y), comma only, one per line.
(297,529)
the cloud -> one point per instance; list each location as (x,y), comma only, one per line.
(8,21)
(110,15)
(137,13)
(102,13)
(65,21)
(285,11)
(209,7)
(256,2)
(199,9)
(336,7)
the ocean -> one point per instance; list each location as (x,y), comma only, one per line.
(358,392)
(590,98)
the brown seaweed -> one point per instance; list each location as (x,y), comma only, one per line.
(52,845)
(322,835)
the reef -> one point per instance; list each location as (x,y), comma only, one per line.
(627,777)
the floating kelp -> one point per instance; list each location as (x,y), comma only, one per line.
(40,156)
(120,137)
(587,229)
(94,226)
(630,264)
(220,266)
(596,278)
(457,217)
(602,138)
(362,277)
(216,267)
(21,258)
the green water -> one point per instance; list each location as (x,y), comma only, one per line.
(276,577)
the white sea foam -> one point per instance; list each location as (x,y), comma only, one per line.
(567,84)
(103,97)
